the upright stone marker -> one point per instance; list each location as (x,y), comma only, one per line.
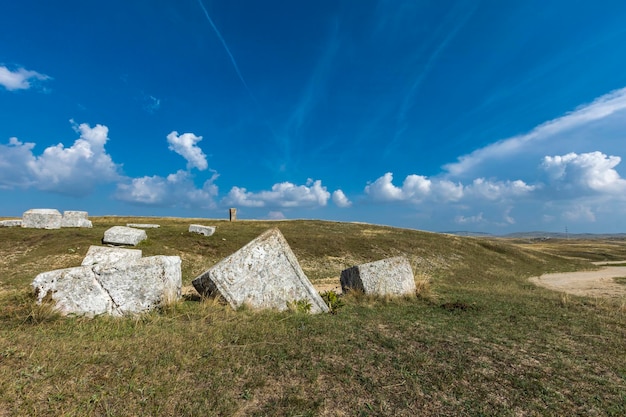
(75,219)
(263,274)
(122,235)
(232,214)
(42,219)
(392,276)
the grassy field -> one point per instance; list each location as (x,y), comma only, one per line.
(478,339)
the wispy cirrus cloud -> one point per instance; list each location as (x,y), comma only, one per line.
(20,78)
(564,170)
(576,129)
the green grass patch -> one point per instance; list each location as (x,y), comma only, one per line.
(479,339)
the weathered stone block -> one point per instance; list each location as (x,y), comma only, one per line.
(117,289)
(122,235)
(203,230)
(10,223)
(144,225)
(42,219)
(106,255)
(75,219)
(263,274)
(392,276)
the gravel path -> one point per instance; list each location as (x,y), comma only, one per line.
(598,283)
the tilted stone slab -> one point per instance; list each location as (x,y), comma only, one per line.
(392,276)
(73,218)
(42,219)
(107,255)
(203,230)
(144,225)
(122,235)
(263,274)
(11,223)
(124,288)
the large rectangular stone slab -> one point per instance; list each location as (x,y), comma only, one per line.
(144,225)
(42,219)
(142,285)
(392,276)
(107,255)
(117,289)
(122,235)
(263,274)
(11,223)
(73,218)
(203,230)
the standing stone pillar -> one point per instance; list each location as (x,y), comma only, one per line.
(233,214)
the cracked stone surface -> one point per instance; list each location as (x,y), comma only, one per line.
(117,289)
(42,219)
(263,274)
(75,219)
(391,276)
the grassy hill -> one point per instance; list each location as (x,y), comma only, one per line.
(478,339)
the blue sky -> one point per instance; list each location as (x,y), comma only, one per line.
(487,116)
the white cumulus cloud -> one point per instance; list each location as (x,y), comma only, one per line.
(74,170)
(593,171)
(284,194)
(340,199)
(175,190)
(497,190)
(20,79)
(415,189)
(185,146)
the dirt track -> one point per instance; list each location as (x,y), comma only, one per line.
(598,283)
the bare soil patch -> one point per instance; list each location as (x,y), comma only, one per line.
(600,283)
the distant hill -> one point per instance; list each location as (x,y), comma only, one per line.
(543,235)
(556,235)
(467,233)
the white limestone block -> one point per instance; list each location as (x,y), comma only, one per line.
(11,223)
(42,219)
(263,274)
(143,225)
(392,276)
(75,219)
(107,255)
(130,287)
(203,230)
(122,235)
